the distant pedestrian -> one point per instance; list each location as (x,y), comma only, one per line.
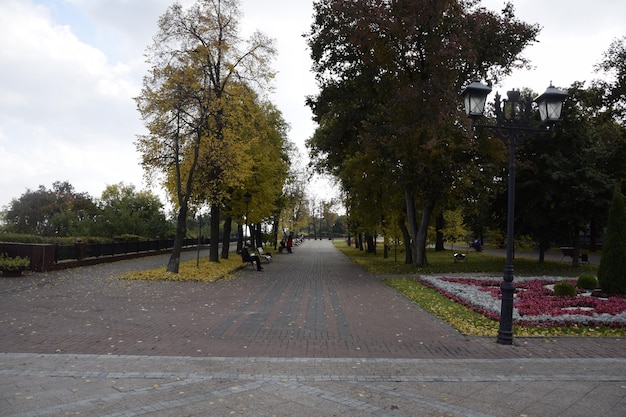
(289,243)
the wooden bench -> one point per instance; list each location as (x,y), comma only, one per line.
(569,251)
(247,258)
(264,256)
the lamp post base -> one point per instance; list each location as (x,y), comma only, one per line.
(505,333)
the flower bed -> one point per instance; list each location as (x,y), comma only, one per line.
(534,302)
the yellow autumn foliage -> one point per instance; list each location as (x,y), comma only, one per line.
(204,271)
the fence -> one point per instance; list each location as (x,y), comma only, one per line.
(47,257)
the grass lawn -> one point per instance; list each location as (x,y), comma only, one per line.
(464,319)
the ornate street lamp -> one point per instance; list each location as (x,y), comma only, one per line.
(247,197)
(513,126)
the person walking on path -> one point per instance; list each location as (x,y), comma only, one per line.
(289,243)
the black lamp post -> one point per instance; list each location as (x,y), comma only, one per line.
(513,125)
(247,197)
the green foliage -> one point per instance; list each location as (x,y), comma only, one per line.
(128,238)
(60,211)
(612,85)
(587,282)
(564,289)
(612,270)
(443,262)
(125,211)
(455,229)
(8,263)
(61,215)
(388,100)
(22,238)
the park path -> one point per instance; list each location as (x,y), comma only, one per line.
(314,335)
(312,303)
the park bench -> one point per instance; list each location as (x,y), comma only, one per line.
(458,257)
(264,256)
(246,258)
(569,251)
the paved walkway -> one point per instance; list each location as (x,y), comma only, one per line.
(312,335)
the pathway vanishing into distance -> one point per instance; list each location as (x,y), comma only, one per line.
(312,335)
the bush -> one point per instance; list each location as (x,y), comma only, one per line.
(612,269)
(587,282)
(8,263)
(563,288)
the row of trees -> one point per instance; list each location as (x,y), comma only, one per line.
(392,131)
(63,212)
(212,136)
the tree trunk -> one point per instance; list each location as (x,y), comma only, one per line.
(259,235)
(593,236)
(576,254)
(439,225)
(385,247)
(428,205)
(411,220)
(181,232)
(214,251)
(239,237)
(543,246)
(275,230)
(228,224)
(371,243)
(406,237)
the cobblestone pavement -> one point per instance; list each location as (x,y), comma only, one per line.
(312,335)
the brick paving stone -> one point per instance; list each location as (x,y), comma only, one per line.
(311,303)
(314,335)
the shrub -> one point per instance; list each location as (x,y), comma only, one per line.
(8,263)
(612,269)
(564,289)
(587,282)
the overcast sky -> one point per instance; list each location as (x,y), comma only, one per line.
(69,70)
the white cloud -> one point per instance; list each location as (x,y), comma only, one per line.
(66,112)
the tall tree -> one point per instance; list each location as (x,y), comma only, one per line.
(562,185)
(389,74)
(196,55)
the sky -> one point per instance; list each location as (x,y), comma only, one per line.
(70,68)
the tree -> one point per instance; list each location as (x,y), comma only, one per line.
(60,211)
(196,57)
(454,227)
(260,141)
(613,64)
(612,269)
(125,211)
(389,75)
(562,178)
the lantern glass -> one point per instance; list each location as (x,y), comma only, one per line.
(550,104)
(474,98)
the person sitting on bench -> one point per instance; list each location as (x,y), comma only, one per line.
(252,258)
